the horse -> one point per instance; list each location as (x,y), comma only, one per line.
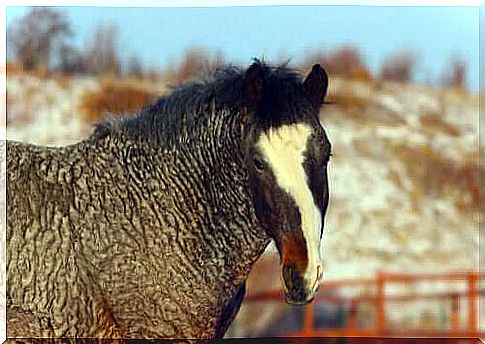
(149,227)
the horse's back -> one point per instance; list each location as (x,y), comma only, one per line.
(43,270)
(28,241)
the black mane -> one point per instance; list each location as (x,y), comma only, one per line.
(283,100)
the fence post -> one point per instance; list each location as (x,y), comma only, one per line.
(308,318)
(472,302)
(455,313)
(380,303)
(352,318)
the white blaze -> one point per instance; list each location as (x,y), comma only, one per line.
(283,149)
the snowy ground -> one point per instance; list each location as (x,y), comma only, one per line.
(378,218)
(389,209)
(43,112)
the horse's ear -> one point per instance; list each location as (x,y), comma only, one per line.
(253,86)
(315,85)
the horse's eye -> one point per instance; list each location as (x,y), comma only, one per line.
(258,164)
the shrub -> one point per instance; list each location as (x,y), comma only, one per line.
(456,76)
(437,176)
(345,61)
(195,62)
(347,100)
(362,74)
(114,96)
(13,68)
(398,67)
(433,121)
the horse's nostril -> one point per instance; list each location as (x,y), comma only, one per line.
(293,279)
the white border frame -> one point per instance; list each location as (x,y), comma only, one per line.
(146,3)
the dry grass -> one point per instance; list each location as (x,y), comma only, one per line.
(394,177)
(435,122)
(345,61)
(13,68)
(347,101)
(63,80)
(114,96)
(347,106)
(19,111)
(362,74)
(437,176)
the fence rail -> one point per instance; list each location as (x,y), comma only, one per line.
(380,300)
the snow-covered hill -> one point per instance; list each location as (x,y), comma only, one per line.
(404,180)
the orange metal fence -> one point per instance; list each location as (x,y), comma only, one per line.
(380,300)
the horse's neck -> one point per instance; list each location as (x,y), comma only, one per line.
(192,236)
(216,193)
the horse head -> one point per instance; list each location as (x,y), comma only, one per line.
(286,155)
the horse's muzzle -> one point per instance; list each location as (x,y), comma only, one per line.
(297,289)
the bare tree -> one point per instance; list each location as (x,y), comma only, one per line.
(135,67)
(34,38)
(152,74)
(398,67)
(71,61)
(457,74)
(103,54)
